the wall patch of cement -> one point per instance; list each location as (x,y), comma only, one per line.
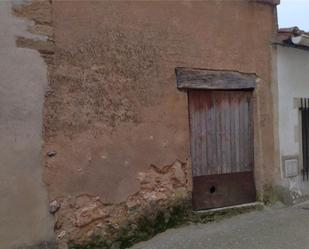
(24,217)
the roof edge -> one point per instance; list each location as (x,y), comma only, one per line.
(290,45)
(270,2)
(293,37)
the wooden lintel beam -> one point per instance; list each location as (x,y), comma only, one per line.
(214,79)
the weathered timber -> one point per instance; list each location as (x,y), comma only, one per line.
(213,79)
(221,131)
(215,191)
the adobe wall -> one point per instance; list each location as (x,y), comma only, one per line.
(115,126)
(113,108)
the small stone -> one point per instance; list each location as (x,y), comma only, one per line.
(133,203)
(61,235)
(179,173)
(89,214)
(116,245)
(115,225)
(99,225)
(57,225)
(54,206)
(51,153)
(90,233)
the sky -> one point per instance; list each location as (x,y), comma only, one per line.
(294,13)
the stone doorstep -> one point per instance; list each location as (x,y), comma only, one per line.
(302,203)
(235,207)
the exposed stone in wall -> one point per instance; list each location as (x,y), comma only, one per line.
(85,217)
(40,13)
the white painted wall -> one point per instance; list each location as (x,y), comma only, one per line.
(293,82)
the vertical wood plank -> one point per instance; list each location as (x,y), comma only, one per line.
(246,133)
(223,152)
(227,133)
(237,132)
(204,140)
(232,109)
(251,133)
(198,134)
(211,136)
(241,134)
(221,132)
(217,150)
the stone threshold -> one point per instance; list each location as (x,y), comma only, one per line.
(237,207)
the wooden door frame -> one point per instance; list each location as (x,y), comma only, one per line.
(204,79)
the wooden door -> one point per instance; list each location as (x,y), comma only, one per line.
(221,148)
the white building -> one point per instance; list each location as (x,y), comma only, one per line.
(293,119)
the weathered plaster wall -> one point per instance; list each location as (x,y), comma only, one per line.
(292,66)
(113,110)
(24,217)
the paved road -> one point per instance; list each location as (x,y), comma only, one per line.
(272,228)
